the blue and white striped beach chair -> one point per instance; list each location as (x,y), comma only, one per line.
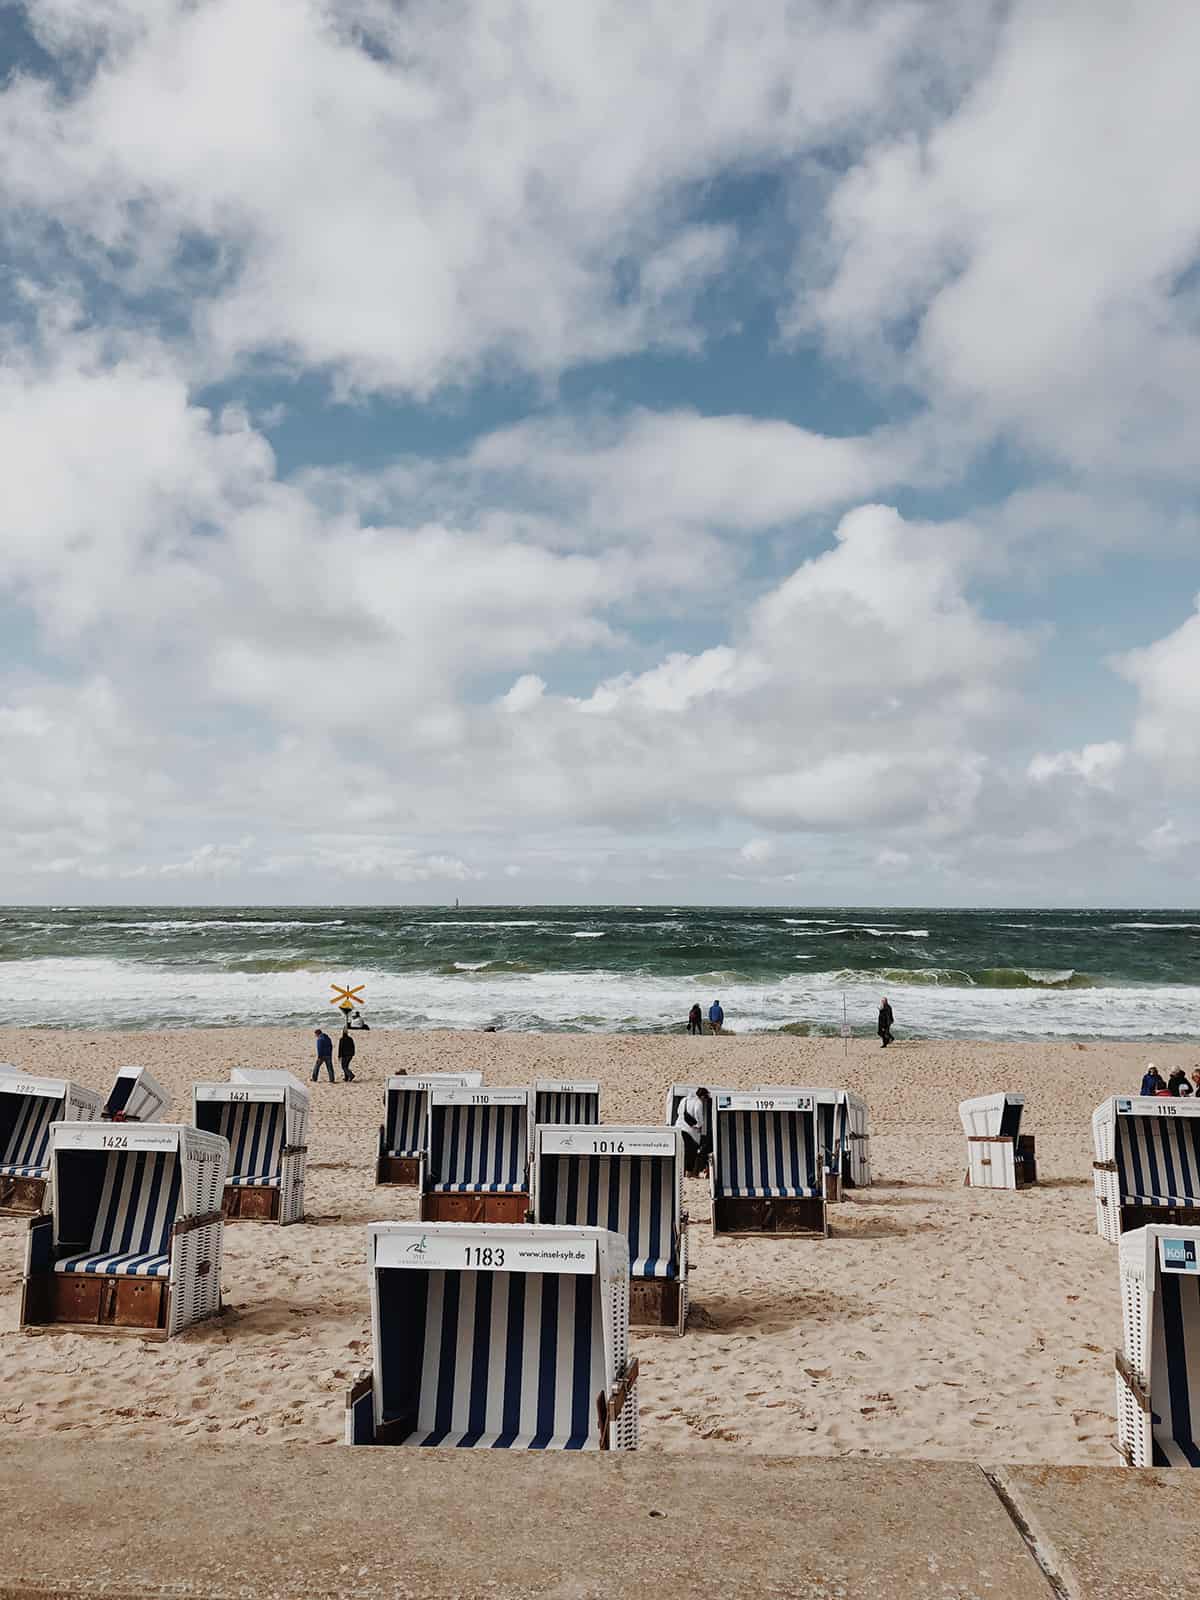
(497,1338)
(1147,1163)
(630,1181)
(842,1132)
(1158,1372)
(558,1103)
(406,1114)
(136,1097)
(134,1240)
(29,1107)
(766,1173)
(263,1113)
(475,1167)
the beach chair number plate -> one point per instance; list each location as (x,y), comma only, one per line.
(438,1251)
(115,1141)
(240,1094)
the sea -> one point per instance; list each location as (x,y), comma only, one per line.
(985,974)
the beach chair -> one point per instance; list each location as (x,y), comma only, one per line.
(999,1155)
(855,1136)
(1158,1372)
(405,1113)
(557,1103)
(264,1115)
(497,1338)
(475,1166)
(134,1240)
(29,1107)
(842,1127)
(766,1175)
(136,1097)
(630,1181)
(1147,1163)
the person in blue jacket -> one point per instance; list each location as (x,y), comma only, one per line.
(1152,1083)
(324,1054)
(716,1016)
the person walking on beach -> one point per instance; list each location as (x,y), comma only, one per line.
(692,1119)
(324,1055)
(886,1019)
(346,1054)
(1152,1083)
(716,1017)
(696,1019)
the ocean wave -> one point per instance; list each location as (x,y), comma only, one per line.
(188,924)
(587,935)
(108,993)
(1158,927)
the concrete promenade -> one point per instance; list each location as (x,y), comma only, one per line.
(198,1520)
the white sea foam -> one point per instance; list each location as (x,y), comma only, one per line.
(85,992)
(587,935)
(1156,927)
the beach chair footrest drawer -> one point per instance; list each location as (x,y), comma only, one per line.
(747,1214)
(88,1300)
(251,1203)
(398,1169)
(1145,1216)
(654,1302)
(474,1207)
(22,1197)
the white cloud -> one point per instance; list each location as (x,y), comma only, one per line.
(504,184)
(1166,675)
(1094,764)
(1028,254)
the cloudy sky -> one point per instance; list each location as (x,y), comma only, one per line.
(615,451)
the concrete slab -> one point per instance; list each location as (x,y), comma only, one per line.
(206,1521)
(1112,1535)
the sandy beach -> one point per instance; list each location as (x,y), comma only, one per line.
(936,1321)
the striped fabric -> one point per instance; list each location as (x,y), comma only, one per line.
(559,1110)
(495,1360)
(478,1149)
(255,1134)
(1158,1160)
(27,1153)
(406,1108)
(766,1155)
(1176,1373)
(139,1200)
(633,1195)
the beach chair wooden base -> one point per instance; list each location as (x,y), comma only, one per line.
(77,1302)
(1172,1216)
(475,1207)
(398,1169)
(22,1197)
(800,1218)
(251,1203)
(656,1303)
(833,1187)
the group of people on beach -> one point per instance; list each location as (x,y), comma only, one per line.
(1178,1084)
(716,1018)
(345,1050)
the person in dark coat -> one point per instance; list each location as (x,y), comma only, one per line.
(1178,1083)
(886,1019)
(324,1055)
(696,1019)
(346,1055)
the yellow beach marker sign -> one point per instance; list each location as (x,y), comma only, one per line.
(347,999)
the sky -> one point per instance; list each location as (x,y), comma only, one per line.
(599,453)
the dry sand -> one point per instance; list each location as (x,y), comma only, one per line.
(936,1321)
